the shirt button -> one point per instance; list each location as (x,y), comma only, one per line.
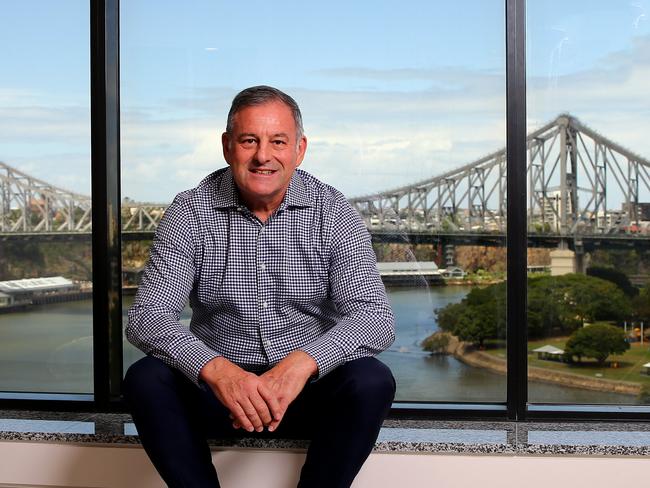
(265,304)
(262,266)
(267,343)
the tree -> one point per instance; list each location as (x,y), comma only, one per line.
(590,299)
(615,276)
(557,305)
(596,341)
(479,316)
(447,316)
(548,312)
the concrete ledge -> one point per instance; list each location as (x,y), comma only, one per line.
(28,464)
(57,449)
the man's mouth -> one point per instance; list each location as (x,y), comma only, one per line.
(263,171)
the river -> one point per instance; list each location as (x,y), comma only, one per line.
(49,349)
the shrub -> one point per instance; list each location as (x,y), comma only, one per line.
(596,341)
(436,343)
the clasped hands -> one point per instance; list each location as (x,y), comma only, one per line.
(260,401)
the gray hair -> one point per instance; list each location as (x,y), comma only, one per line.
(259,95)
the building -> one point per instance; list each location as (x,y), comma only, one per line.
(26,291)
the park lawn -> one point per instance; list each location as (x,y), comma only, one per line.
(629,364)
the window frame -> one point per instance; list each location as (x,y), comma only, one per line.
(107,261)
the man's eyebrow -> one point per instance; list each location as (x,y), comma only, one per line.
(281,134)
(246,134)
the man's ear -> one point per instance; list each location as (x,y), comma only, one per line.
(301,150)
(225,146)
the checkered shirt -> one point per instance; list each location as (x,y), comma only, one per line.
(304,279)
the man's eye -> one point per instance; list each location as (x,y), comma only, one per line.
(248,141)
(279,142)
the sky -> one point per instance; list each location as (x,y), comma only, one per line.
(391,93)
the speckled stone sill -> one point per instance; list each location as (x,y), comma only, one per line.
(399,436)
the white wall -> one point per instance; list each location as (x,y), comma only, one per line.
(24,464)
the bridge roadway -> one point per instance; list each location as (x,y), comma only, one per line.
(587,242)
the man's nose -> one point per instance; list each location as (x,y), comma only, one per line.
(263,152)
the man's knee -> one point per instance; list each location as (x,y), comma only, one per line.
(369,381)
(144,376)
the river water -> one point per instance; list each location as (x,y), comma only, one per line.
(49,349)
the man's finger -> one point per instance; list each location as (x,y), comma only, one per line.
(271,401)
(274,425)
(251,414)
(262,409)
(235,424)
(241,418)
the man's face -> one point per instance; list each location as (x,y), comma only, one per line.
(263,152)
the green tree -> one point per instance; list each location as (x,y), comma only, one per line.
(615,276)
(479,316)
(447,316)
(590,299)
(549,314)
(596,341)
(557,305)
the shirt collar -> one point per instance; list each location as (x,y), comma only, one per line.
(297,193)
(224,191)
(227,196)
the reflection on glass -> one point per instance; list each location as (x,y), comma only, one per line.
(45,252)
(390,100)
(588,203)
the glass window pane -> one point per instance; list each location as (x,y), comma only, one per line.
(45,249)
(409,98)
(588,201)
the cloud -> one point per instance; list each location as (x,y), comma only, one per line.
(364,141)
(360,140)
(610,98)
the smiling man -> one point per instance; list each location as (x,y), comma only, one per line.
(288,311)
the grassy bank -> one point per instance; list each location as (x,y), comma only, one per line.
(623,367)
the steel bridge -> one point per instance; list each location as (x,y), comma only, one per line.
(570,167)
(571,171)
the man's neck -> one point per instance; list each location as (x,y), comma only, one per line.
(263,209)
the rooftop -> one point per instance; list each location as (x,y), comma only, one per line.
(36,284)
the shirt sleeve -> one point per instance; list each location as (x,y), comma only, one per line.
(153,320)
(366,326)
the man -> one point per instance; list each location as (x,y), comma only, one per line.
(288,311)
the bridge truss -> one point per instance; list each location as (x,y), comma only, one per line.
(572,170)
(28,204)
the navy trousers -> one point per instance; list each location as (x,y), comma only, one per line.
(340,414)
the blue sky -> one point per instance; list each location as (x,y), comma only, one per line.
(391,92)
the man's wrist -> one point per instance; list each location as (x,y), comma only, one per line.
(308,363)
(211,367)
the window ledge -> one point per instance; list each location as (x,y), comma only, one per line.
(399,436)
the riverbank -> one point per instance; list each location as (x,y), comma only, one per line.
(47,299)
(469,355)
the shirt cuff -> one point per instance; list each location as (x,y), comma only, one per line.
(327,354)
(192,358)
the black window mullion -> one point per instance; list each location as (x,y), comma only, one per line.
(105,142)
(516,208)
